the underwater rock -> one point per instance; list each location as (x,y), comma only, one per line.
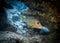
(11,37)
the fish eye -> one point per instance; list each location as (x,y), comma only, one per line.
(37,22)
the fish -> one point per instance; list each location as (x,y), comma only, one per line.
(36,25)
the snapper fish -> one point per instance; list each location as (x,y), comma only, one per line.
(21,22)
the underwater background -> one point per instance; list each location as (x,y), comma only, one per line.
(17,18)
